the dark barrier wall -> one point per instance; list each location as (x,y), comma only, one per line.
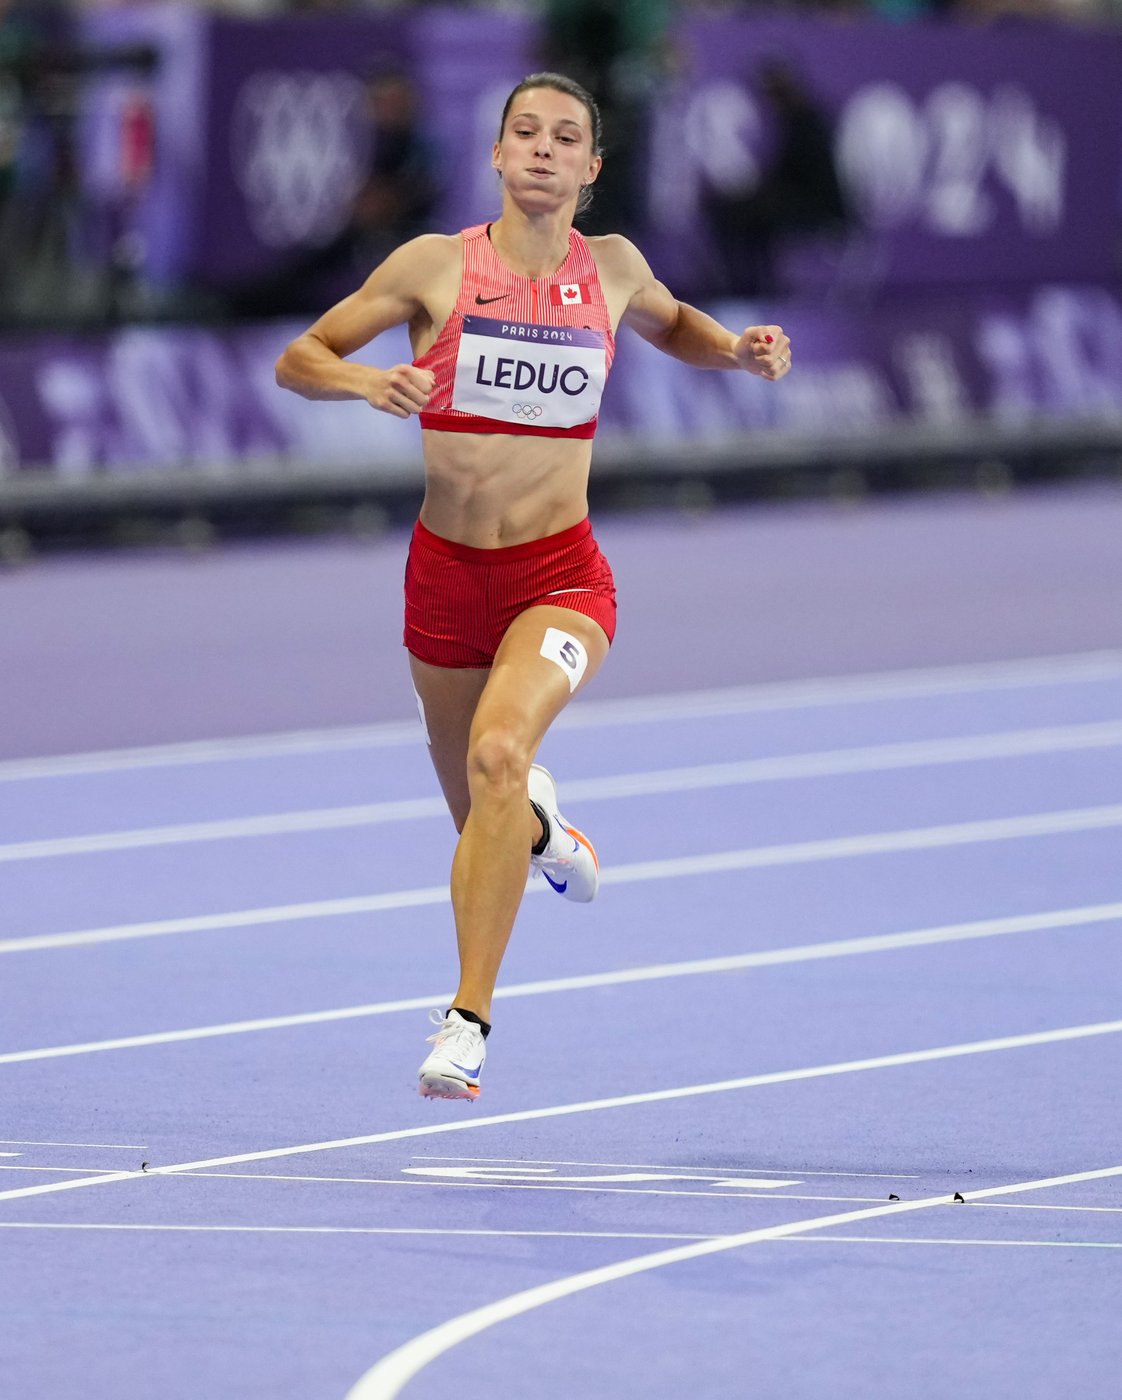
(973,154)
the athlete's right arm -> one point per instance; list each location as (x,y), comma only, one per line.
(315,364)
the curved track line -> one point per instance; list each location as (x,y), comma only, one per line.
(789,1076)
(389,1377)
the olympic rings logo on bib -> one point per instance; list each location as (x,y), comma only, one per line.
(526,410)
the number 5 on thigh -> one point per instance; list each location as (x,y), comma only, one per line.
(548,653)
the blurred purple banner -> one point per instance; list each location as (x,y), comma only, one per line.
(290,134)
(159,399)
(986,155)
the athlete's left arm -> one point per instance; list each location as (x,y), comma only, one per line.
(682,330)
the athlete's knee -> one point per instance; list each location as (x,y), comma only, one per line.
(499,758)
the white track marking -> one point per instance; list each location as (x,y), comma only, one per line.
(239,918)
(235,828)
(874,758)
(903,1239)
(752,857)
(458,1184)
(791,1076)
(523,1234)
(878,843)
(1017,1205)
(121,1146)
(543,1176)
(79,1171)
(914,684)
(388,1378)
(869,758)
(496,1185)
(774,957)
(1073,668)
(664,1167)
(191,752)
(352,1230)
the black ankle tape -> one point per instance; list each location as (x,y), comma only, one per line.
(539,848)
(484,1026)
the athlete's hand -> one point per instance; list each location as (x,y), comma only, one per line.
(764,350)
(401,391)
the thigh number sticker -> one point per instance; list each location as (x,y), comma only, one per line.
(566,652)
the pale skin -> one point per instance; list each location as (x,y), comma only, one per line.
(491,490)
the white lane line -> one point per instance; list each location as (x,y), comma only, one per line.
(1091,1210)
(238,918)
(874,758)
(662,1167)
(351,1230)
(739,962)
(79,1171)
(670,867)
(903,1239)
(918,683)
(190,752)
(1079,668)
(791,1076)
(235,828)
(878,843)
(389,1376)
(521,1234)
(122,1146)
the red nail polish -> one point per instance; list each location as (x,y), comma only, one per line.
(769,339)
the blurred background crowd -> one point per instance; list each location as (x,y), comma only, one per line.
(74,251)
(926,193)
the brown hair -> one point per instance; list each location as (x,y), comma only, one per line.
(560,83)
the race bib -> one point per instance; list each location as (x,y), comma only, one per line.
(537,376)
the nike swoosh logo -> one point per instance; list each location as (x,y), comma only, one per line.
(559,888)
(486,301)
(471,1073)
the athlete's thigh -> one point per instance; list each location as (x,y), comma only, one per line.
(546,656)
(448,698)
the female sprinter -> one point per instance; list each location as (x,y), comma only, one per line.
(509,604)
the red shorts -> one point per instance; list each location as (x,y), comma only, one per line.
(459,601)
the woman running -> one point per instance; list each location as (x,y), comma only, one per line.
(509,604)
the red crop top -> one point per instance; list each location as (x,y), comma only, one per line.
(521,354)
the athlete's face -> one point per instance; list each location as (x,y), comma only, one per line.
(545,151)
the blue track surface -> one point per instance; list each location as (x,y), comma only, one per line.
(856,941)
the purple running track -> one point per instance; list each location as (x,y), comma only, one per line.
(858,939)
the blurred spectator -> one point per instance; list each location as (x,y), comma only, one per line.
(38,171)
(617,50)
(394,203)
(402,180)
(18,48)
(797,196)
